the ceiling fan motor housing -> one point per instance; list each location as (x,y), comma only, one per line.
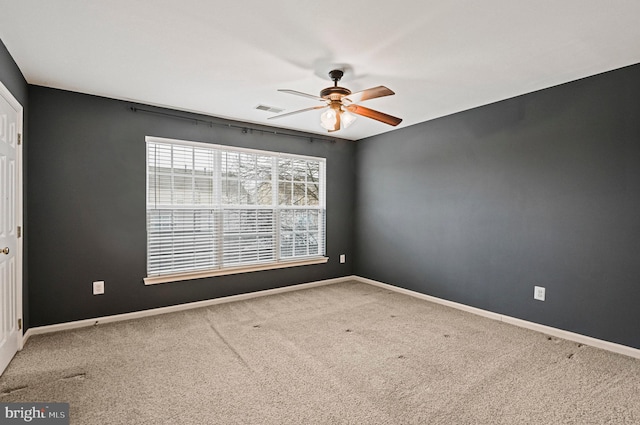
(334,93)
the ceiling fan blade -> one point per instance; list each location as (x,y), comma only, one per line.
(299,93)
(376,115)
(298,111)
(371,93)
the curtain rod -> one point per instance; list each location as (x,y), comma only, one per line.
(245,129)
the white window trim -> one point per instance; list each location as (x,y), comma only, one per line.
(233,270)
(277,264)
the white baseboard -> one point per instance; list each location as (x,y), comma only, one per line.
(547,330)
(38,330)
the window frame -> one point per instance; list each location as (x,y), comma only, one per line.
(220,207)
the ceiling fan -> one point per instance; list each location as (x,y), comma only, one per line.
(341,104)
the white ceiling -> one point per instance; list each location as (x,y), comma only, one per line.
(224,58)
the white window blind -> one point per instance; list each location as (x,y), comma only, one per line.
(212,207)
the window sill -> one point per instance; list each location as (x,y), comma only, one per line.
(235,270)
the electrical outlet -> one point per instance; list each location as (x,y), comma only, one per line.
(98,287)
(343,259)
(538,293)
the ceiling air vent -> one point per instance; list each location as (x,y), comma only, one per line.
(269,109)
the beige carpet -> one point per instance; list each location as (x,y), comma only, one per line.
(347,353)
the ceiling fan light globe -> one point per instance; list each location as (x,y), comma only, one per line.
(328,119)
(347,119)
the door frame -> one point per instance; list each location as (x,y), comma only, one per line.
(4,91)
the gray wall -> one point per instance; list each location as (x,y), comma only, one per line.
(12,78)
(86,197)
(542,189)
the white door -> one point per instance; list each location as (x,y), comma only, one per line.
(10,219)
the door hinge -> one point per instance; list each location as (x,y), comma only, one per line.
(19,231)
(19,324)
(19,138)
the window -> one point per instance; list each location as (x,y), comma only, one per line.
(216,210)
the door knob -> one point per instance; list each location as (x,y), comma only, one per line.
(5,250)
